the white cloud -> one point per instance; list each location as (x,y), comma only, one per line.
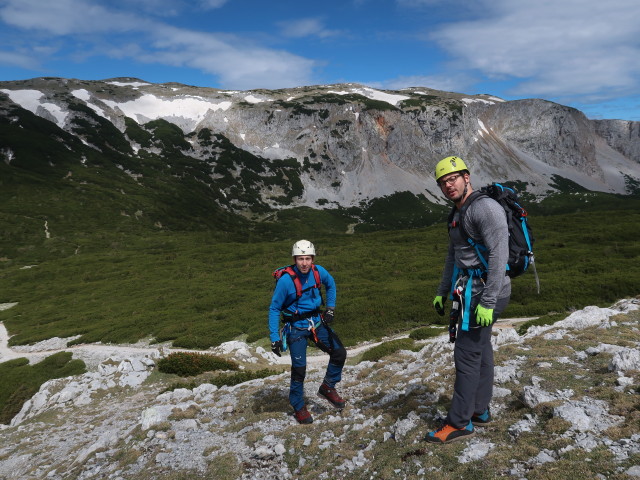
(21,60)
(555,47)
(306,27)
(210,4)
(236,62)
(67,17)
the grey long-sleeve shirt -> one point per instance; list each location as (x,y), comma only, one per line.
(486,223)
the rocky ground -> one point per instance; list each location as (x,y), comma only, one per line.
(566,405)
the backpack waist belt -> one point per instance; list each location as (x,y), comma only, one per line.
(290,317)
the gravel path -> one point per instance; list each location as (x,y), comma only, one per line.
(95,353)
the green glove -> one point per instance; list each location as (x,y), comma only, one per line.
(438,304)
(484,316)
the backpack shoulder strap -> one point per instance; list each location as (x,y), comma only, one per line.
(289,270)
(296,280)
(470,199)
(316,275)
(279,272)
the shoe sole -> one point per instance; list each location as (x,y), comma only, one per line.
(480,423)
(306,421)
(338,406)
(436,440)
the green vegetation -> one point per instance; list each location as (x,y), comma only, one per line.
(387,348)
(401,210)
(122,247)
(365,103)
(421,101)
(187,364)
(196,291)
(19,381)
(423,333)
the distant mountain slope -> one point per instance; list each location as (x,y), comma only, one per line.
(325,147)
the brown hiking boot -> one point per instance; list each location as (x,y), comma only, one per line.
(303,416)
(332,395)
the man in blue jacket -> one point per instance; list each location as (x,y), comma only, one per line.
(482,293)
(298,299)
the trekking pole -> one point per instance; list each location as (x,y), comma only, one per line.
(532,262)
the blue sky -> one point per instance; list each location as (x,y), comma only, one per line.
(582,53)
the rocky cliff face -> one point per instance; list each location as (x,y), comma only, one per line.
(348,143)
(621,135)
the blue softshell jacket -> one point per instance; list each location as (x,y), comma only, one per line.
(285,293)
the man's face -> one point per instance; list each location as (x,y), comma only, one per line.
(304,262)
(452,185)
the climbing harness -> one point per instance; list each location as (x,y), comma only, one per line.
(462,291)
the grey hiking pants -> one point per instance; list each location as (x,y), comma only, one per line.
(473,387)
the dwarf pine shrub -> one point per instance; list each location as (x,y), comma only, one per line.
(19,380)
(188,364)
(387,348)
(229,379)
(425,332)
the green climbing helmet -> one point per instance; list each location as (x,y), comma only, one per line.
(449,165)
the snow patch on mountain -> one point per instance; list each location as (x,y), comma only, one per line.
(254,99)
(31,100)
(373,94)
(477,100)
(150,107)
(85,96)
(129,84)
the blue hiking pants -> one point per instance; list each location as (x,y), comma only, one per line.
(328,342)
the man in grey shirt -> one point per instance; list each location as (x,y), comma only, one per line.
(481,292)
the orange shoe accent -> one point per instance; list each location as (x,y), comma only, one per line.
(446,433)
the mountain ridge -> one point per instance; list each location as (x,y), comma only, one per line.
(342,145)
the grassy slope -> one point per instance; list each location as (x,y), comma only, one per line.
(157,257)
(197,291)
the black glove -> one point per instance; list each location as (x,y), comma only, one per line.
(276,347)
(327,317)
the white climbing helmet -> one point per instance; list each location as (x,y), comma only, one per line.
(303,247)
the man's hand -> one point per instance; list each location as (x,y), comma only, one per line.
(484,316)
(328,316)
(276,347)
(438,304)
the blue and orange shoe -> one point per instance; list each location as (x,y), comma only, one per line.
(481,418)
(446,433)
